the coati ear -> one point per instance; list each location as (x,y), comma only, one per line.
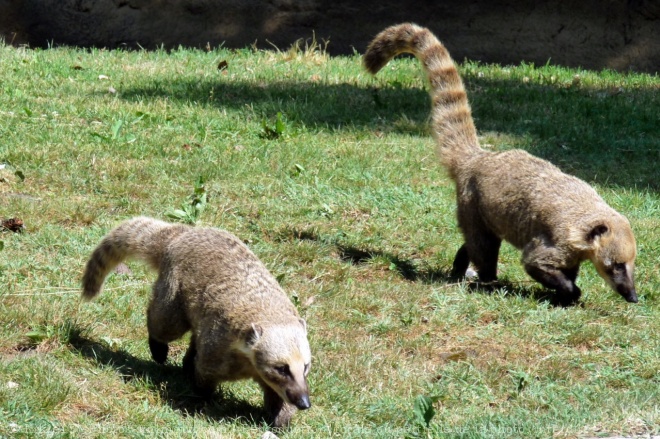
(304,324)
(597,231)
(254,335)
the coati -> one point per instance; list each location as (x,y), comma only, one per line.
(557,220)
(243,324)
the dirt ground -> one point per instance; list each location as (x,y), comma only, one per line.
(594,34)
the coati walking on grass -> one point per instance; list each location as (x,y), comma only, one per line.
(557,220)
(243,324)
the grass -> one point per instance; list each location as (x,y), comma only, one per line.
(330,177)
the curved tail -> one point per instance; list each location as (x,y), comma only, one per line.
(452,124)
(141,237)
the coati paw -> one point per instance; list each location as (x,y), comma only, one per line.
(566,298)
(282,419)
(158,350)
(204,392)
(277,412)
(205,389)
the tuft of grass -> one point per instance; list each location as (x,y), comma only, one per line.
(191,209)
(330,176)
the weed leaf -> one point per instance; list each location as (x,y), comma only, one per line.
(36,336)
(191,209)
(279,124)
(116,128)
(275,132)
(176,214)
(423,410)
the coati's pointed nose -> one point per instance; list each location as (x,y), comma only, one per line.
(302,401)
(632,297)
(630,294)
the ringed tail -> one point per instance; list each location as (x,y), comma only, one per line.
(141,237)
(452,123)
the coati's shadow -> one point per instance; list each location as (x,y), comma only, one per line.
(171,383)
(510,289)
(405,267)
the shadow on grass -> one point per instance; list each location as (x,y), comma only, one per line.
(407,268)
(170,381)
(600,135)
(355,255)
(530,290)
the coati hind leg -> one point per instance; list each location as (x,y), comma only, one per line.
(481,247)
(483,251)
(166,320)
(461,262)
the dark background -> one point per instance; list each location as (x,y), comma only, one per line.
(594,34)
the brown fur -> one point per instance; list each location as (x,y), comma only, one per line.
(557,220)
(243,324)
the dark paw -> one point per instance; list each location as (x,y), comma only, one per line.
(158,350)
(566,298)
(205,389)
(461,263)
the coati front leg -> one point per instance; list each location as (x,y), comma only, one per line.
(158,350)
(279,412)
(189,359)
(204,386)
(544,263)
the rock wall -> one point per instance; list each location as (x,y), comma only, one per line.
(595,34)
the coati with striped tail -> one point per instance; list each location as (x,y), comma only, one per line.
(557,220)
(243,324)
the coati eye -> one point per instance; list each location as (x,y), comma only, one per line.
(283,370)
(616,268)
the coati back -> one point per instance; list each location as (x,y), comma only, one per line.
(243,324)
(557,220)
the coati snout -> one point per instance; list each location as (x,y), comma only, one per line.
(282,359)
(613,256)
(620,277)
